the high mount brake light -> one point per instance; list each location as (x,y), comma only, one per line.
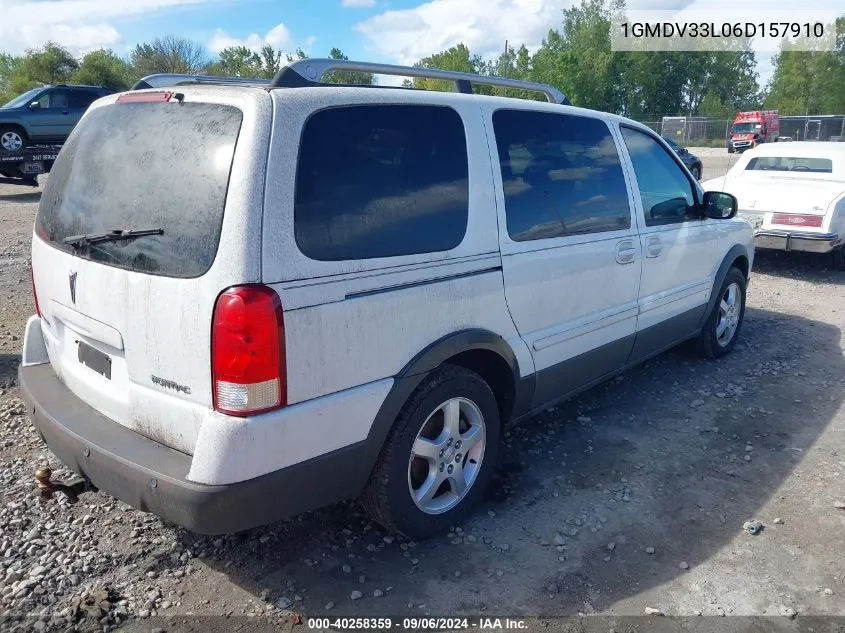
(145,97)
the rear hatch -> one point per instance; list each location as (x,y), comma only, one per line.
(127,318)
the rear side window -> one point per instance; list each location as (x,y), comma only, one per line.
(81,99)
(788,163)
(561,175)
(144,166)
(381,181)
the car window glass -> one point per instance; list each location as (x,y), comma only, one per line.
(53,99)
(789,163)
(381,181)
(81,99)
(561,175)
(665,191)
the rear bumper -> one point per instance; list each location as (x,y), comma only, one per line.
(152,477)
(797,241)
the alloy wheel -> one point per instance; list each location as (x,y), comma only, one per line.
(446,456)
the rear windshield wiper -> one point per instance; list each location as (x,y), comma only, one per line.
(115,235)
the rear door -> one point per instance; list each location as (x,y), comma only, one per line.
(570,252)
(127,323)
(680,248)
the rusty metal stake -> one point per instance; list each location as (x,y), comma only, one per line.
(47,488)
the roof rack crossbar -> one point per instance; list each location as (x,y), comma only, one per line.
(311,71)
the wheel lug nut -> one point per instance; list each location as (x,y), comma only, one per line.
(451,468)
(441,453)
(441,467)
(458,458)
(458,444)
(449,443)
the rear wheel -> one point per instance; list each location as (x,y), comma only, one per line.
(12,139)
(439,457)
(721,330)
(696,172)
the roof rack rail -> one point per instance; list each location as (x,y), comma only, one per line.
(309,72)
(168,80)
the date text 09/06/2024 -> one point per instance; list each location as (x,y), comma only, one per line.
(415,624)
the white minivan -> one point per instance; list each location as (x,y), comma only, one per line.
(258,299)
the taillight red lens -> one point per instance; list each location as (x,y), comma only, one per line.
(248,364)
(792,219)
(34,294)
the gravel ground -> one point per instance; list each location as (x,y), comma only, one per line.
(631,497)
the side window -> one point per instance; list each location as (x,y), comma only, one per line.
(666,192)
(44,100)
(54,99)
(381,181)
(81,99)
(561,175)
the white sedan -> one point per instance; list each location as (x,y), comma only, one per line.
(793,194)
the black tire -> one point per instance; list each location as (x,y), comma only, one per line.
(708,344)
(696,172)
(16,130)
(730,150)
(837,258)
(387,496)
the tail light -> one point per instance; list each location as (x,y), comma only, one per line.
(248,363)
(791,219)
(34,294)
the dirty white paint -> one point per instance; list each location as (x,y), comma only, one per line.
(352,325)
(236,449)
(154,325)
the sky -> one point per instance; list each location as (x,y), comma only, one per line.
(393,31)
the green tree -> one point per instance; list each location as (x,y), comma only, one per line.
(103,68)
(236,61)
(352,77)
(712,106)
(457,58)
(8,68)
(577,58)
(169,54)
(50,64)
(809,82)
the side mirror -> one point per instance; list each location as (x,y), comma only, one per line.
(683,150)
(35,105)
(720,205)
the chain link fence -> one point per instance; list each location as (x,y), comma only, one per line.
(707,132)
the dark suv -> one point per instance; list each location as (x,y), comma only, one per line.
(689,159)
(44,115)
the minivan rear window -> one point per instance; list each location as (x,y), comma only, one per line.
(144,166)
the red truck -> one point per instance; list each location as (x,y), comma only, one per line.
(752,128)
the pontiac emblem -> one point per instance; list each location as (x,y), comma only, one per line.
(72,281)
